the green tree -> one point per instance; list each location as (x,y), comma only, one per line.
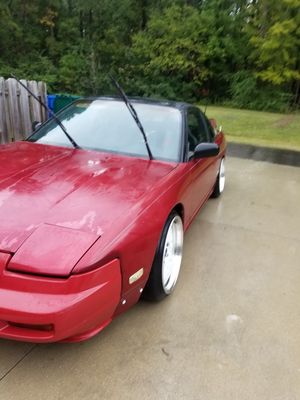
(241,51)
(275,29)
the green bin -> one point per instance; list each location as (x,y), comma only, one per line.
(62,100)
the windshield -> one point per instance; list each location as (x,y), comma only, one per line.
(106,125)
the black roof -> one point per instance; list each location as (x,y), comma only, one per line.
(145,100)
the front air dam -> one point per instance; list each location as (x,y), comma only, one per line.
(40,309)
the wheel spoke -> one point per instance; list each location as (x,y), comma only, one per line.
(172,254)
(222,176)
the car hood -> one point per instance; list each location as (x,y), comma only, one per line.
(76,189)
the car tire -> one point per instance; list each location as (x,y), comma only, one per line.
(220,182)
(167,261)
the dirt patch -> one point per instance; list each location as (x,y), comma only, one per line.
(283,122)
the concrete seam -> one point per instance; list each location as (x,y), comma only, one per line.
(17,363)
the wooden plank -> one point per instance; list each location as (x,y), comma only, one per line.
(10,135)
(14,113)
(25,110)
(3,127)
(35,107)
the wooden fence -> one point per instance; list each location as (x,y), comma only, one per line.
(18,109)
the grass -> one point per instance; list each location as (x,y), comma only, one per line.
(258,127)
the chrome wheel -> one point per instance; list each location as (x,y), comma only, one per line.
(222,176)
(172,254)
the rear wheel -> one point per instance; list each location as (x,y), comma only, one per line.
(166,266)
(220,182)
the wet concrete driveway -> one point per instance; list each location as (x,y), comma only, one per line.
(230,331)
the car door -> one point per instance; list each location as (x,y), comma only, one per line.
(202,172)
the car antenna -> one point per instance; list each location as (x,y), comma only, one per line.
(53,115)
(133,114)
(205,92)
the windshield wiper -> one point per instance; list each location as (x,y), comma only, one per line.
(133,114)
(53,115)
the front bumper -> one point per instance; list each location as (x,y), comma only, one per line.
(40,309)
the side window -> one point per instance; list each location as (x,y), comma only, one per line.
(196,129)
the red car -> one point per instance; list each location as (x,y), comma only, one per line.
(87,225)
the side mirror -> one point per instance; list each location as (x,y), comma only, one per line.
(35,125)
(204,150)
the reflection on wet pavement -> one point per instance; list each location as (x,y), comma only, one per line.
(276,156)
